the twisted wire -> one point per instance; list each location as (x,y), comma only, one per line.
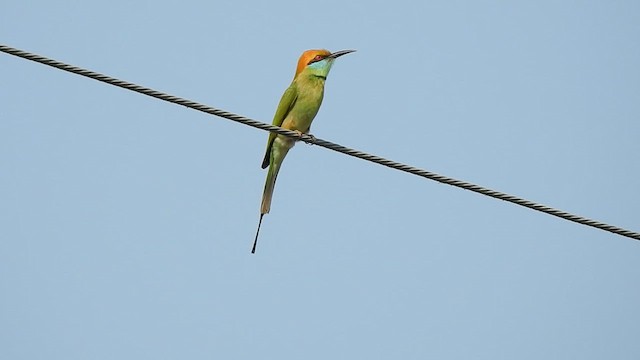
(323,143)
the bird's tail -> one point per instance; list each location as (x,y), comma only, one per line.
(255,241)
(269,185)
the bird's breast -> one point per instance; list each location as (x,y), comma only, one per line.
(305,108)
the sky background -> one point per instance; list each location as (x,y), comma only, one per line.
(126,222)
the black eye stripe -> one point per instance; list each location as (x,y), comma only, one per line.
(317,58)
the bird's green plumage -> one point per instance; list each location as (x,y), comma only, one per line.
(297,109)
(287,101)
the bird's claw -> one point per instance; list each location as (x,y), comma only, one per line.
(313,139)
(300,134)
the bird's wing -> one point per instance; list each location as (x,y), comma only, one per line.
(286,103)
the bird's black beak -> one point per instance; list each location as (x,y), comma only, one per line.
(340,53)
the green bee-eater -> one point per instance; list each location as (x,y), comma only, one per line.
(299,105)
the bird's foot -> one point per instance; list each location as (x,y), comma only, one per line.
(308,142)
(299,134)
(312,141)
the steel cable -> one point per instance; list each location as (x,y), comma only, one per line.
(323,143)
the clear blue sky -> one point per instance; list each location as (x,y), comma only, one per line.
(126,222)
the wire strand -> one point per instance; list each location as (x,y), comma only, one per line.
(323,143)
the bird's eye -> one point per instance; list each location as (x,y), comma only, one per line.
(316,58)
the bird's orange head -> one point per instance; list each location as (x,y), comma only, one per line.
(309,57)
(318,62)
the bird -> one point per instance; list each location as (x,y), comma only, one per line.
(297,109)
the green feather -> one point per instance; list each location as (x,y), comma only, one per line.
(287,102)
(297,109)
